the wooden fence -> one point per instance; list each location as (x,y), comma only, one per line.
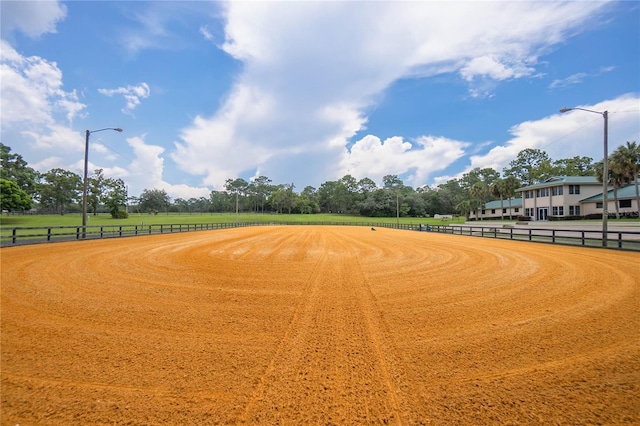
(626,240)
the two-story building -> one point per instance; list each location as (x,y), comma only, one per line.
(558,196)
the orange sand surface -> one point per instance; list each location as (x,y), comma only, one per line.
(318,325)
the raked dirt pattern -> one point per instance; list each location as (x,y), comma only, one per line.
(305,325)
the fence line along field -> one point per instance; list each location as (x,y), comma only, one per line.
(318,325)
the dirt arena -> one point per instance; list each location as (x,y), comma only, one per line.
(319,325)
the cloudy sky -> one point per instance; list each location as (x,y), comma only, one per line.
(305,92)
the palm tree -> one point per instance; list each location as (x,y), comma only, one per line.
(479,191)
(497,190)
(627,159)
(617,179)
(467,206)
(509,186)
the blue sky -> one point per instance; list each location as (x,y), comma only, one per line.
(306,92)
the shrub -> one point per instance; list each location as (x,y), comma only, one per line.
(120,214)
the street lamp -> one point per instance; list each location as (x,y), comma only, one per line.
(86,165)
(605,170)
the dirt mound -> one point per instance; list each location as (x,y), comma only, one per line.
(318,325)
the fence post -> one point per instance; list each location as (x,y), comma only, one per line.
(14,235)
(77,233)
(553,236)
(101,229)
(120,233)
(619,239)
(48,234)
(582,237)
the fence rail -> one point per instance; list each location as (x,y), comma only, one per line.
(626,240)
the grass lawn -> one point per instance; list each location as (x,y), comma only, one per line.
(7,222)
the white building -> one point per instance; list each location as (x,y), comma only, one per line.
(562,197)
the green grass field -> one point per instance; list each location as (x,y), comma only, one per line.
(7,222)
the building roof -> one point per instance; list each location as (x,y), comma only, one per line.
(515,202)
(562,180)
(624,193)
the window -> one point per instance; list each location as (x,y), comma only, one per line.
(517,209)
(482,211)
(542,192)
(574,189)
(557,190)
(625,203)
(558,210)
(599,205)
(528,194)
(574,210)
(493,211)
(504,210)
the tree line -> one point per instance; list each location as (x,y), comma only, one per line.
(60,191)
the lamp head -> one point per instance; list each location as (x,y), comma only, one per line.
(563,110)
(118,129)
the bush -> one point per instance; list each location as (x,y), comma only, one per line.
(120,214)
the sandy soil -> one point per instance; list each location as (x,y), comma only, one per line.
(318,325)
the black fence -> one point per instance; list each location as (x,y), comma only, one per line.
(627,240)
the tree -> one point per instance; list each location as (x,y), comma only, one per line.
(14,167)
(480,191)
(263,188)
(236,187)
(326,197)
(467,206)
(114,197)
(95,190)
(366,185)
(450,194)
(509,186)
(379,203)
(220,201)
(576,166)
(627,160)
(284,197)
(616,179)
(530,166)
(13,198)
(487,176)
(153,200)
(59,188)
(497,190)
(394,184)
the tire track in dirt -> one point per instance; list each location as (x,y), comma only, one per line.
(331,360)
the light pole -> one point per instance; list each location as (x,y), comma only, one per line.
(85,184)
(605,171)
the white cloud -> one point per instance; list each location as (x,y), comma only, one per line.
(370,157)
(491,67)
(146,172)
(33,18)
(576,133)
(131,94)
(41,110)
(270,123)
(578,78)
(206,33)
(33,88)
